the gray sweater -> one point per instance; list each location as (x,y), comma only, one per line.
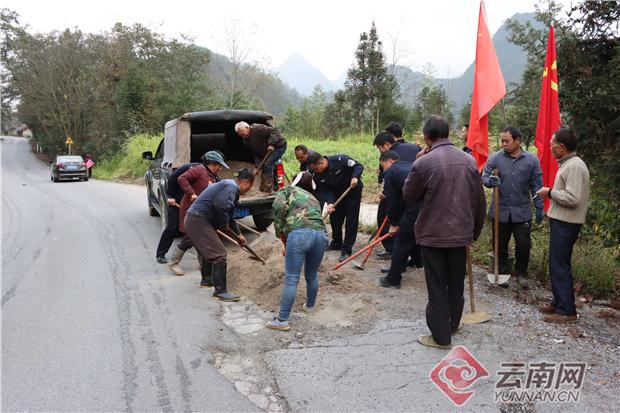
(571,190)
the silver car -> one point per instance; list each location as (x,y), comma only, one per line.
(68,167)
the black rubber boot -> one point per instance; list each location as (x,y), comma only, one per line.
(206,270)
(219,280)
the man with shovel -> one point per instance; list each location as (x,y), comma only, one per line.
(210,212)
(447,183)
(339,177)
(518,180)
(401,216)
(268,146)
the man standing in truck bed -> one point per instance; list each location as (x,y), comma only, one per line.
(262,139)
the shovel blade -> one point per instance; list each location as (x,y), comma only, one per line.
(501,278)
(476,317)
(359,266)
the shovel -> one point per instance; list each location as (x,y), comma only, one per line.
(360,266)
(245,247)
(345,193)
(473,317)
(360,252)
(496,278)
(260,165)
(261,235)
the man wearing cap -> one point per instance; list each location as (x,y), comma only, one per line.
(193,182)
(262,139)
(174,196)
(212,211)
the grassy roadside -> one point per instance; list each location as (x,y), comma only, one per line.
(127,164)
(595,267)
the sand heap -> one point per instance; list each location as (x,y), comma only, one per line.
(237,165)
(263,283)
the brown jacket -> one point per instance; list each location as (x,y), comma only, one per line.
(261,136)
(448,184)
(193,182)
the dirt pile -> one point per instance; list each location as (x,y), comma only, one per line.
(237,165)
(263,284)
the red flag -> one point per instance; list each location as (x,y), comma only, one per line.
(548,116)
(489,88)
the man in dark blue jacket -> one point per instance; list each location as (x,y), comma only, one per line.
(386,141)
(211,211)
(402,217)
(333,175)
(175,194)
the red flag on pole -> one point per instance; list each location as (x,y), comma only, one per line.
(548,116)
(489,88)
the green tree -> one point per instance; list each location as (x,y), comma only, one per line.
(524,98)
(370,89)
(430,101)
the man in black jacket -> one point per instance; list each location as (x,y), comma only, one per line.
(175,194)
(211,211)
(333,175)
(386,141)
(402,217)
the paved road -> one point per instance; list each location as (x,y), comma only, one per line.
(89,320)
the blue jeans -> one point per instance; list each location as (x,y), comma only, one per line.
(562,238)
(270,163)
(303,244)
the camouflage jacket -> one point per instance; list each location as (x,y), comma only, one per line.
(296,208)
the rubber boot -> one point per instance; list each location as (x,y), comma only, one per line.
(173,264)
(219,280)
(266,183)
(206,270)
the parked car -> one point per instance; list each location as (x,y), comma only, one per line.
(68,167)
(187,138)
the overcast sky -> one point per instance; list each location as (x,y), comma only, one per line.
(326,33)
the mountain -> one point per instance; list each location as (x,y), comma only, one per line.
(302,75)
(274,94)
(339,83)
(512,60)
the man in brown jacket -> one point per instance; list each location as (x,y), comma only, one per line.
(193,182)
(262,139)
(445,179)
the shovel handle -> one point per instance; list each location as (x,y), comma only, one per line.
(252,230)
(242,247)
(366,248)
(260,165)
(385,220)
(470,276)
(496,229)
(345,193)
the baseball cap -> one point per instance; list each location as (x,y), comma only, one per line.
(215,156)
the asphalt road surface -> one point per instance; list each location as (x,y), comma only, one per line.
(90,321)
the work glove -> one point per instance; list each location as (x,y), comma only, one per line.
(494,181)
(540,214)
